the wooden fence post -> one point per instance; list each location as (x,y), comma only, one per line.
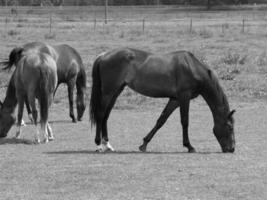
(95,24)
(243,25)
(6,21)
(106,11)
(144,25)
(50,25)
(191,25)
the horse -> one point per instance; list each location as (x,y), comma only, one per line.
(70,70)
(178,75)
(35,77)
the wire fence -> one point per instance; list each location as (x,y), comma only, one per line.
(140,16)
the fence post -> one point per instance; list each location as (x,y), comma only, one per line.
(191,26)
(106,11)
(95,24)
(50,25)
(243,25)
(144,24)
(6,21)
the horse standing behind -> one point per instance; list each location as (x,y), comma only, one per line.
(179,76)
(35,76)
(70,70)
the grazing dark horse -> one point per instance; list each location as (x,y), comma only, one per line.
(35,76)
(70,70)
(179,76)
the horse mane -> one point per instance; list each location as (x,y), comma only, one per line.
(214,82)
(14,56)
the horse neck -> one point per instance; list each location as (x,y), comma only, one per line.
(10,101)
(216,99)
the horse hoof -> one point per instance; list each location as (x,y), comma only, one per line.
(142,148)
(37,141)
(79,119)
(50,139)
(191,150)
(99,150)
(109,150)
(74,121)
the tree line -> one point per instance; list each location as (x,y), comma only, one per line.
(124,2)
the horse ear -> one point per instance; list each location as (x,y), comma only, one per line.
(231,114)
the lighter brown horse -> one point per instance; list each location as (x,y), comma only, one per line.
(179,76)
(70,70)
(35,77)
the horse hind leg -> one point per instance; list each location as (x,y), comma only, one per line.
(31,99)
(29,110)
(109,101)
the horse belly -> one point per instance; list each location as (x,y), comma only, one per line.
(154,86)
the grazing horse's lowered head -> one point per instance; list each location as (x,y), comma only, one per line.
(7,116)
(7,120)
(224,132)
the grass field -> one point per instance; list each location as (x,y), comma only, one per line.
(69,168)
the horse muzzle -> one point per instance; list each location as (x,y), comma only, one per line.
(3,135)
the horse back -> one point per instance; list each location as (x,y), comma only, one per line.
(69,62)
(33,69)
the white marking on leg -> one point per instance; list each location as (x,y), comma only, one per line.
(50,132)
(45,133)
(107,146)
(37,136)
(22,123)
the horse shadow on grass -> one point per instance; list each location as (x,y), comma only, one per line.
(52,122)
(16,141)
(124,152)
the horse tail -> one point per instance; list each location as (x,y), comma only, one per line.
(96,96)
(14,56)
(81,79)
(81,88)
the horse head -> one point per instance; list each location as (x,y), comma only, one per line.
(7,119)
(224,132)
(80,106)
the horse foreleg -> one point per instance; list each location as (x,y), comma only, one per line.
(184,112)
(170,107)
(20,114)
(71,85)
